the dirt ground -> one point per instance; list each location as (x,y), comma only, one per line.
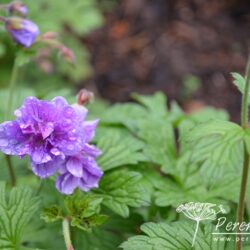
(149,45)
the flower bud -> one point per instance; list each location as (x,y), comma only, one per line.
(50,35)
(18,7)
(67,54)
(22,31)
(84,96)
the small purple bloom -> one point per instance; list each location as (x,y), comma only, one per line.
(56,137)
(18,7)
(78,171)
(23,31)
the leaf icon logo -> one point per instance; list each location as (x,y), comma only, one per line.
(198,212)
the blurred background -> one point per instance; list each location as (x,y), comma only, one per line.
(186,48)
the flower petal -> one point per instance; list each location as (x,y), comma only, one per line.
(46,129)
(66,183)
(74,166)
(46,169)
(89,129)
(39,155)
(91,150)
(12,140)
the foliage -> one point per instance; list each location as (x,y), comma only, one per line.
(83,210)
(172,236)
(154,158)
(16,212)
(79,20)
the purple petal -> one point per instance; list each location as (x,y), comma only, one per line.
(46,169)
(80,111)
(89,129)
(40,155)
(74,166)
(91,174)
(66,183)
(91,150)
(12,141)
(92,182)
(60,102)
(46,129)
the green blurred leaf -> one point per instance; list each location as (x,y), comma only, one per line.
(118,148)
(122,189)
(156,104)
(239,81)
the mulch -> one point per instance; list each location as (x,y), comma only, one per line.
(149,45)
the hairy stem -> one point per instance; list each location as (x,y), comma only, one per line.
(11,171)
(244,124)
(66,234)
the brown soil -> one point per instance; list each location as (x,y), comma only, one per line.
(149,45)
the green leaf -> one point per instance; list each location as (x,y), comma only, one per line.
(239,81)
(156,104)
(97,239)
(15,213)
(118,148)
(84,210)
(218,145)
(173,236)
(160,147)
(122,189)
(187,184)
(127,114)
(210,128)
(52,214)
(90,222)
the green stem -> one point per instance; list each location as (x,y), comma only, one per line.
(66,234)
(8,115)
(11,170)
(12,87)
(241,204)
(244,107)
(244,124)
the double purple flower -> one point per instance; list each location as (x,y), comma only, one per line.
(56,137)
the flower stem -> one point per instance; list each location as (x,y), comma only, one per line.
(11,170)
(244,124)
(66,234)
(8,115)
(12,88)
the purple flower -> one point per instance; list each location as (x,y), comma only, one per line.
(56,137)
(78,171)
(23,31)
(18,7)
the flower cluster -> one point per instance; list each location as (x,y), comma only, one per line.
(56,137)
